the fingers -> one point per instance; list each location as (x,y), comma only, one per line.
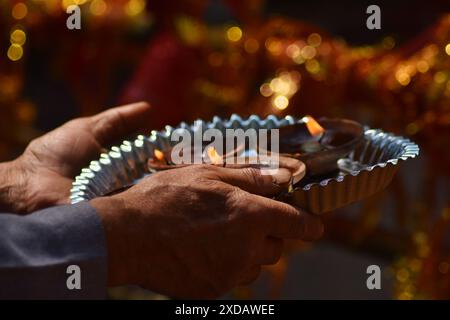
(297,168)
(271,251)
(281,220)
(118,122)
(252,180)
(251,275)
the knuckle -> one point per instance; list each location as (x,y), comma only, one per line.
(239,204)
(253,175)
(207,168)
(235,198)
(78,122)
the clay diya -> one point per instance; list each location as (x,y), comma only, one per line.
(320,144)
(161,161)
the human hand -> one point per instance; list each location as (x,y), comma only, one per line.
(43,174)
(199,231)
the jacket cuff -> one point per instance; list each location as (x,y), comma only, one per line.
(40,248)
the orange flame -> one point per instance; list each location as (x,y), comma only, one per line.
(214,157)
(314,128)
(159,155)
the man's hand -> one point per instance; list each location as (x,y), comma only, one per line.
(43,175)
(199,231)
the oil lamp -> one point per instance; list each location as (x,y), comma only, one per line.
(320,144)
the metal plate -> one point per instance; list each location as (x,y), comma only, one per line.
(367,170)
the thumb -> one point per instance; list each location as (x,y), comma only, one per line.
(252,179)
(118,122)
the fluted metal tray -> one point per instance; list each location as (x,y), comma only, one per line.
(367,170)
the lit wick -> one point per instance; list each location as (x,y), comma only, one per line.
(316,131)
(214,157)
(159,155)
(314,128)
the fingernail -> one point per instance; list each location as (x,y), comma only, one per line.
(299,173)
(281,176)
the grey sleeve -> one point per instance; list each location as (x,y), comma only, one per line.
(37,249)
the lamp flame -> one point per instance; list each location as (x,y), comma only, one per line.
(159,155)
(314,128)
(214,157)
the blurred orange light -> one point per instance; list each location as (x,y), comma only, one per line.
(98,7)
(19,11)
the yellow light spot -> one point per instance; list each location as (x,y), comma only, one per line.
(314,39)
(265,90)
(281,102)
(19,11)
(440,77)
(308,52)
(98,7)
(67,3)
(402,77)
(293,51)
(279,86)
(234,34)
(274,46)
(405,296)
(447,49)
(134,7)
(51,6)
(18,37)
(251,45)
(402,275)
(15,52)
(299,59)
(312,66)
(422,66)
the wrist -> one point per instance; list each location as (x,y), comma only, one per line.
(13,187)
(115,218)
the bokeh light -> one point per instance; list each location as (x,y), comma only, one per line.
(134,7)
(19,11)
(98,7)
(15,52)
(18,37)
(281,102)
(234,34)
